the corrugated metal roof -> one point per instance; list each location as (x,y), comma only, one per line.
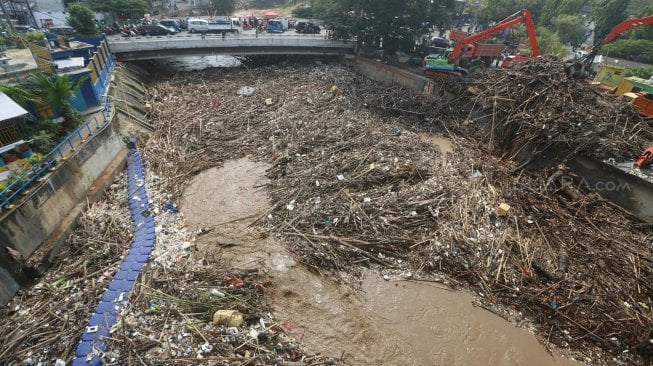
(9,109)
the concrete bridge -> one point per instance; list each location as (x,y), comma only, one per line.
(147,48)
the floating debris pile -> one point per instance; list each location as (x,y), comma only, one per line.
(357,180)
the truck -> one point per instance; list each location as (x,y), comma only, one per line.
(215,25)
(469,53)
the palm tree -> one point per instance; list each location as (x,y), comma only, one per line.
(56,91)
(20,94)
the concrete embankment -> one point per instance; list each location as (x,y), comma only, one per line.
(41,220)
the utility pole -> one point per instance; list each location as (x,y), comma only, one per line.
(4,12)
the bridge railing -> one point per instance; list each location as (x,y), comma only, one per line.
(248,35)
(87,129)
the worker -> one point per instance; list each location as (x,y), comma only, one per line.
(644,159)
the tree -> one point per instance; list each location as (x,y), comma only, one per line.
(607,14)
(550,43)
(393,24)
(21,94)
(492,11)
(646,31)
(638,50)
(555,8)
(636,6)
(222,7)
(82,19)
(123,9)
(56,91)
(570,29)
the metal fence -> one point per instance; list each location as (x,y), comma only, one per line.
(38,170)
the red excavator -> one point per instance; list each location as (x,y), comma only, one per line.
(582,67)
(452,62)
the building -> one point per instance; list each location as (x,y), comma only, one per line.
(36,13)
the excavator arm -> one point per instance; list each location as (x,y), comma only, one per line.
(581,67)
(521,16)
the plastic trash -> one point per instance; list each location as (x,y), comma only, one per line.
(229,318)
(170,207)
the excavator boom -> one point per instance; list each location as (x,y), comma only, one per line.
(521,16)
(581,68)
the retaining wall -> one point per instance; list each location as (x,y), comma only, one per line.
(387,74)
(27,226)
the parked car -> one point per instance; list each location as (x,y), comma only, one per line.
(155,30)
(307,28)
(171,23)
(198,25)
(274,26)
(439,42)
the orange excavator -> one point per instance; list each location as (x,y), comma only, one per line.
(581,68)
(449,63)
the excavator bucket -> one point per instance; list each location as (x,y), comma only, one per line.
(644,159)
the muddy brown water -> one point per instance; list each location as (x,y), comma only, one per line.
(387,323)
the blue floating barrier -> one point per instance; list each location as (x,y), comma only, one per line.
(136,258)
(142,236)
(101,332)
(110,295)
(134,266)
(140,251)
(84,348)
(103,319)
(80,362)
(127,275)
(143,244)
(107,307)
(123,285)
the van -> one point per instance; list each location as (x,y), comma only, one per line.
(274,25)
(198,25)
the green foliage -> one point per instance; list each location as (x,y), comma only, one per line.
(260,4)
(493,11)
(646,31)
(642,72)
(607,14)
(36,37)
(550,43)
(35,158)
(56,92)
(303,12)
(43,142)
(556,8)
(635,7)
(570,29)
(222,7)
(124,9)
(71,118)
(638,50)
(82,19)
(21,94)
(395,24)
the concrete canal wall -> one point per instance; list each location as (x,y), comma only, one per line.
(41,221)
